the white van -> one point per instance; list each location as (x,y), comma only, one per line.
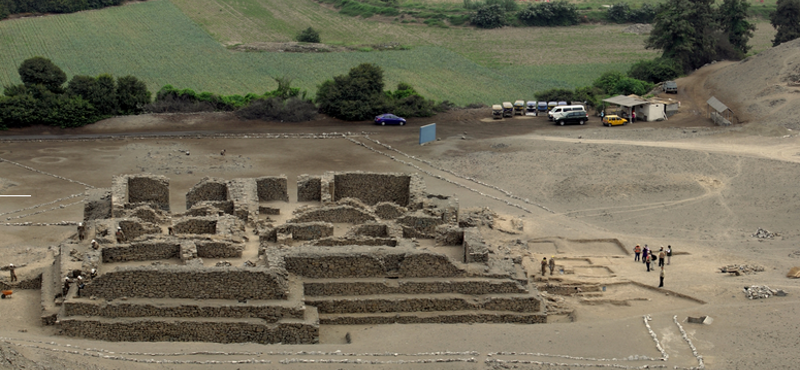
(560,110)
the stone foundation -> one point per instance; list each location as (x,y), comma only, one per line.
(357,262)
(335,214)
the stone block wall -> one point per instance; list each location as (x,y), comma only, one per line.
(424,304)
(335,214)
(475,250)
(272,188)
(150,189)
(310,230)
(309,188)
(459,317)
(209,208)
(147,213)
(184,330)
(98,204)
(358,262)
(473,287)
(219,249)
(244,194)
(419,225)
(389,210)
(141,251)
(355,241)
(371,229)
(265,210)
(449,235)
(188,282)
(188,250)
(195,225)
(269,313)
(207,189)
(134,228)
(372,188)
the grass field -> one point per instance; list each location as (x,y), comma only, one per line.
(158,43)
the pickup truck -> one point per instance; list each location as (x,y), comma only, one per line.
(670,87)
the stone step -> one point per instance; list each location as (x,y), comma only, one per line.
(270,311)
(425,303)
(451,317)
(219,330)
(371,286)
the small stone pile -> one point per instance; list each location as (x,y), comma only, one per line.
(741,269)
(763,291)
(764,234)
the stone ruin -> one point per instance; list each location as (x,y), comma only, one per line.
(356,248)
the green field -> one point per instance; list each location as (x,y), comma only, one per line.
(157,42)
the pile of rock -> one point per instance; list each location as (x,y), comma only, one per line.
(763,291)
(764,234)
(741,269)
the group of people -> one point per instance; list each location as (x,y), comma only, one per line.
(551,265)
(647,256)
(77,279)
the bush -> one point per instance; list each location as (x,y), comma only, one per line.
(489,16)
(308,35)
(555,95)
(557,13)
(277,109)
(41,71)
(132,95)
(655,70)
(623,13)
(356,96)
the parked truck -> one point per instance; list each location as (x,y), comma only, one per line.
(670,87)
(508,109)
(497,111)
(519,107)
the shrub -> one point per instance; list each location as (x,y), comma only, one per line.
(655,70)
(555,95)
(489,16)
(623,13)
(132,95)
(557,13)
(277,109)
(41,71)
(356,96)
(308,35)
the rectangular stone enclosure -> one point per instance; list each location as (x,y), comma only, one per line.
(373,188)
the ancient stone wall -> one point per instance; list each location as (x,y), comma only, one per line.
(419,225)
(119,195)
(475,250)
(448,318)
(310,230)
(335,214)
(244,194)
(98,204)
(389,210)
(150,189)
(188,282)
(140,251)
(362,240)
(146,213)
(134,228)
(424,304)
(209,208)
(207,189)
(309,188)
(186,330)
(371,229)
(188,250)
(449,235)
(145,308)
(195,225)
(372,188)
(218,249)
(272,188)
(347,262)
(474,287)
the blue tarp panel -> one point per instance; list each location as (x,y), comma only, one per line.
(427,133)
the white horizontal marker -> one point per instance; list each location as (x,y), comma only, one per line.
(15,196)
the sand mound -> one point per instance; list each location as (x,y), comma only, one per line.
(794,273)
(764,87)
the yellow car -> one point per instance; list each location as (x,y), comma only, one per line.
(614,121)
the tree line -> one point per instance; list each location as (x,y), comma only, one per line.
(8,7)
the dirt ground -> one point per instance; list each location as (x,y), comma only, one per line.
(586,194)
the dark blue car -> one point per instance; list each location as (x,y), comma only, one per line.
(389,119)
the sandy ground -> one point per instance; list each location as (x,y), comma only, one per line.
(701,189)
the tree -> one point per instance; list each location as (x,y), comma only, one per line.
(557,13)
(41,71)
(786,20)
(104,96)
(656,70)
(732,18)
(489,16)
(355,96)
(82,86)
(684,30)
(308,35)
(132,95)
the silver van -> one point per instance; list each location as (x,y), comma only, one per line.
(560,110)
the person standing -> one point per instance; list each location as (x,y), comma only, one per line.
(11,268)
(637,250)
(120,235)
(633,116)
(645,252)
(81,231)
(544,266)
(552,264)
(669,254)
(661,278)
(661,256)
(647,262)
(95,245)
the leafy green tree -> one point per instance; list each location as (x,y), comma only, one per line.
(104,95)
(786,20)
(489,16)
(82,86)
(555,95)
(308,35)
(732,18)
(41,71)
(355,96)
(655,70)
(557,13)
(683,30)
(132,95)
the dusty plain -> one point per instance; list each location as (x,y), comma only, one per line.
(702,189)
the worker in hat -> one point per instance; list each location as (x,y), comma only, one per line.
(544,266)
(120,235)
(11,268)
(81,231)
(67,283)
(637,251)
(552,264)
